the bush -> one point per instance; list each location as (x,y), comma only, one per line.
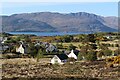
(71,60)
(103,46)
(112,61)
(91,56)
(93,46)
(117,52)
(110,65)
(32,50)
(79,46)
(100,54)
(59,46)
(67,38)
(80,56)
(112,45)
(71,46)
(91,38)
(116,45)
(107,52)
(39,55)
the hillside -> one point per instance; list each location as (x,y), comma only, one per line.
(48,21)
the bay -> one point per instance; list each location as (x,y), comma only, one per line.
(48,33)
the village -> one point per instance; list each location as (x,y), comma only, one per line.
(100,50)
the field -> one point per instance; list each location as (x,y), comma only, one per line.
(67,44)
(31,69)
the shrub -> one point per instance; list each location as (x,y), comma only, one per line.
(100,54)
(71,46)
(117,52)
(59,46)
(93,46)
(71,60)
(79,46)
(91,38)
(67,38)
(110,65)
(103,46)
(112,45)
(80,56)
(39,55)
(107,52)
(32,50)
(91,56)
(110,59)
(116,45)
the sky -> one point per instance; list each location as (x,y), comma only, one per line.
(99,8)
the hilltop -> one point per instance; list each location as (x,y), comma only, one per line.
(59,22)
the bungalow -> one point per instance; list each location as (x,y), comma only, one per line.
(21,49)
(73,54)
(59,59)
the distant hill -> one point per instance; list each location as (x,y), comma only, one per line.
(52,22)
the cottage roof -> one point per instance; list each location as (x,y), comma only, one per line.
(76,52)
(3,47)
(62,56)
(23,46)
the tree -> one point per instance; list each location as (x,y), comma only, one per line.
(91,38)
(103,46)
(59,46)
(88,53)
(117,52)
(79,46)
(81,38)
(91,56)
(84,50)
(32,50)
(71,46)
(107,52)
(80,56)
(39,54)
(18,39)
(67,38)
(93,46)
(100,54)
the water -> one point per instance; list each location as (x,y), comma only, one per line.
(48,33)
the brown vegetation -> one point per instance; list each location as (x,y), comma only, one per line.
(30,68)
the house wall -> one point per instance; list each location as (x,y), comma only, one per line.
(55,60)
(72,55)
(20,49)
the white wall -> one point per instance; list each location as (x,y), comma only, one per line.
(72,55)
(20,50)
(55,60)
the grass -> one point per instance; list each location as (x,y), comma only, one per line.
(67,44)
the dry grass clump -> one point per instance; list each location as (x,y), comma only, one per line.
(112,61)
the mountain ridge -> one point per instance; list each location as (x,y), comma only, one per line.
(58,22)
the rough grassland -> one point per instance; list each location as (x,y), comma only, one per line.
(30,69)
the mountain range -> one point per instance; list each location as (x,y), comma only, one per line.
(59,22)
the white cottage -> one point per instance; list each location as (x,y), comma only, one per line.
(4,39)
(21,49)
(59,59)
(72,55)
